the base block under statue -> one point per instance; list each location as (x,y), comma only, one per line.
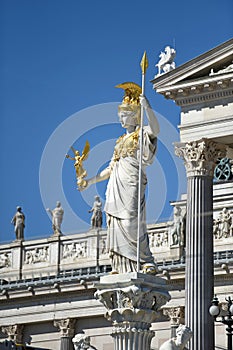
(132,301)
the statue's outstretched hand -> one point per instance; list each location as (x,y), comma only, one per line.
(83,185)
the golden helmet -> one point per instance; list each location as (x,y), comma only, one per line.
(131,101)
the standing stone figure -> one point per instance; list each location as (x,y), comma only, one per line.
(19,222)
(225,223)
(121,204)
(96,210)
(57,217)
(178,228)
(183,335)
(231,227)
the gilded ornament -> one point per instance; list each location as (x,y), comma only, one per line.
(81,173)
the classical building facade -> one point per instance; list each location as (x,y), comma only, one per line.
(47,286)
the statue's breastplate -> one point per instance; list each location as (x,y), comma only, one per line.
(126,145)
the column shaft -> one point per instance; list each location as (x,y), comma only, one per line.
(199,262)
(66,327)
(66,343)
(200,158)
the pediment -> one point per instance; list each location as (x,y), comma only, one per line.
(211,66)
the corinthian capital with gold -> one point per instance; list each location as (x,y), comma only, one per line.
(200,156)
(66,326)
(176,314)
(14,332)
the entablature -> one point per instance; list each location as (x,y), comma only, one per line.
(200,91)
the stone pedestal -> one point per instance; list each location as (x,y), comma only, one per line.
(66,327)
(200,158)
(132,301)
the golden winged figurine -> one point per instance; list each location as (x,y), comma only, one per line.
(81,173)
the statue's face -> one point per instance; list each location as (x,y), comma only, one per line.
(127,118)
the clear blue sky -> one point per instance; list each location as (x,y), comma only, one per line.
(59,58)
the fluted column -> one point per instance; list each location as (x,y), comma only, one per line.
(176,315)
(132,301)
(14,333)
(200,158)
(66,327)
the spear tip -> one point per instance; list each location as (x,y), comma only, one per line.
(144,63)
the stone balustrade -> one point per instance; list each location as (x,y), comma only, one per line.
(57,254)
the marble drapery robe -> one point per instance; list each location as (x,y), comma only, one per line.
(121,204)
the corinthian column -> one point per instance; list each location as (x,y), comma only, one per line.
(66,327)
(14,333)
(132,301)
(200,158)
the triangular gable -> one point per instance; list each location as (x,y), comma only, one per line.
(216,60)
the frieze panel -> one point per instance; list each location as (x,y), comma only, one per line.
(5,259)
(75,250)
(37,255)
(223,224)
(159,239)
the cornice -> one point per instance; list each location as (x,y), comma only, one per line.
(200,91)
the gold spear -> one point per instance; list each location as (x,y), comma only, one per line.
(144,66)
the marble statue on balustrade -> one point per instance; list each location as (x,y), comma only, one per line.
(216,231)
(183,335)
(177,230)
(122,189)
(231,226)
(97,216)
(57,217)
(19,222)
(225,222)
(82,342)
(166,62)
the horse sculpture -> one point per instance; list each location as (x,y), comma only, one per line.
(166,62)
